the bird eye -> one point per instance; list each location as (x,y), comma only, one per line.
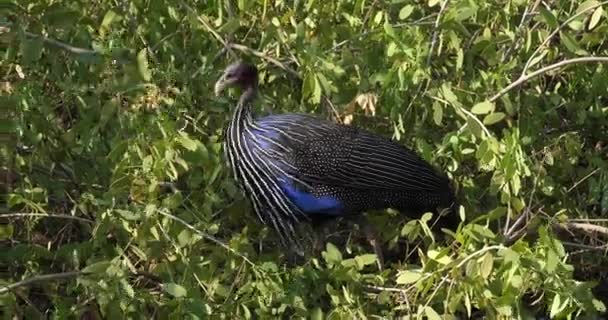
(230,75)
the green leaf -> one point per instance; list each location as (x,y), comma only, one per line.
(482,107)
(587,5)
(187,142)
(97,267)
(552,261)
(487,263)
(406,11)
(142,65)
(128,215)
(437,113)
(595,18)
(548,16)
(316,314)
(433,3)
(493,118)
(599,305)
(6,231)
(474,127)
(388,28)
(108,18)
(231,26)
(366,259)
(331,254)
(408,276)
(31,50)
(175,290)
(431,313)
(439,256)
(571,43)
(557,306)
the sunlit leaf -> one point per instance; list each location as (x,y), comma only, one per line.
(143,66)
(483,107)
(493,118)
(175,289)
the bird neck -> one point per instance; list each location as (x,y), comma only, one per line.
(248,95)
(243,108)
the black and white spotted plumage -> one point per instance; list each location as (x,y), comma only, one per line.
(296,167)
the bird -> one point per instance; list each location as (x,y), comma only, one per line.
(296,167)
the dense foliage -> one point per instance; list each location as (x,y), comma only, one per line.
(118,191)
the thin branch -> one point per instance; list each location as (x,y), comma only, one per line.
(436,32)
(56,43)
(544,70)
(206,236)
(41,278)
(418,22)
(556,31)
(586,227)
(586,246)
(583,180)
(33,214)
(525,17)
(386,289)
(264,56)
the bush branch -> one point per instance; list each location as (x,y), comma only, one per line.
(556,31)
(33,214)
(544,70)
(41,278)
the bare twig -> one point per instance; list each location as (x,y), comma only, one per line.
(41,278)
(586,246)
(544,70)
(62,45)
(386,289)
(525,17)
(436,32)
(33,214)
(582,180)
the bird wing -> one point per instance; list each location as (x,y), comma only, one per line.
(358,159)
(323,152)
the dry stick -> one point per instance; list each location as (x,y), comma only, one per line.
(556,31)
(33,214)
(436,32)
(45,277)
(546,69)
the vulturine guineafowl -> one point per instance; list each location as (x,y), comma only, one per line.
(296,167)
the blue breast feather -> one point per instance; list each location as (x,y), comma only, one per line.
(311,204)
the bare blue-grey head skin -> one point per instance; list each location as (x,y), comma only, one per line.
(239,74)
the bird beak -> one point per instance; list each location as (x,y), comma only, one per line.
(220,85)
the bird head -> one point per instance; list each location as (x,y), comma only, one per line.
(239,74)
